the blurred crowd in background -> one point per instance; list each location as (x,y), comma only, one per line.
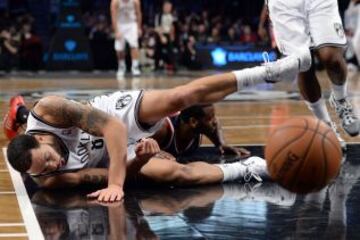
(24,42)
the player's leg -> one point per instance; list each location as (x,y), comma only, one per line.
(329,41)
(120,54)
(310,90)
(356,38)
(166,171)
(132,37)
(157,104)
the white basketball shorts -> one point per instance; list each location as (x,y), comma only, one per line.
(129,33)
(306,23)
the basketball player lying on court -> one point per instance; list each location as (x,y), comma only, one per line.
(66,140)
(181,134)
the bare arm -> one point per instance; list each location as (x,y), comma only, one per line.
(217,138)
(89,176)
(138,14)
(114,7)
(64,113)
(263,17)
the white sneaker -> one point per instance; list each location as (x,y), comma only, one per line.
(287,68)
(120,74)
(135,71)
(255,169)
(344,110)
(336,131)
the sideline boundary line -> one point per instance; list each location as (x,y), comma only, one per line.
(31,223)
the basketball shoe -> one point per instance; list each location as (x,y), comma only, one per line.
(286,68)
(10,124)
(255,168)
(344,110)
(135,71)
(120,74)
(251,169)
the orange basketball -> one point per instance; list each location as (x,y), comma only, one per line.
(303,154)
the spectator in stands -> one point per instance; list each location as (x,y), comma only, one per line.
(8,51)
(31,49)
(248,36)
(202,33)
(231,37)
(215,37)
(189,55)
(147,48)
(165,28)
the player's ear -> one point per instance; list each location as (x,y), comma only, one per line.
(193,122)
(39,138)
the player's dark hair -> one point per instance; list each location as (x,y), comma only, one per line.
(196,111)
(18,152)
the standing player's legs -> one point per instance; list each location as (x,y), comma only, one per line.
(120,53)
(132,37)
(329,41)
(291,30)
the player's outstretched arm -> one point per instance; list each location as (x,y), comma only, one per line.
(93,177)
(65,113)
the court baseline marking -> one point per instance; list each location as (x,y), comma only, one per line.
(31,223)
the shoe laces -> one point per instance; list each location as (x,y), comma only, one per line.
(250,175)
(345,111)
(266,57)
(267,64)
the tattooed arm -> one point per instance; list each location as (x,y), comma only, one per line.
(88,176)
(64,113)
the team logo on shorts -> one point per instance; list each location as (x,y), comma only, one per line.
(123,101)
(339,30)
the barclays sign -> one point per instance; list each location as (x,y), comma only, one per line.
(222,57)
(70,54)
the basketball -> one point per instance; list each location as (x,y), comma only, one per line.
(303,154)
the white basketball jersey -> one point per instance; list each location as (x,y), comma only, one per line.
(126,11)
(82,149)
(85,150)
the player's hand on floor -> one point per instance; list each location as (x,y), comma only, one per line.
(146,149)
(228,150)
(110,194)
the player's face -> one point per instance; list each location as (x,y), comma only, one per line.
(45,159)
(208,123)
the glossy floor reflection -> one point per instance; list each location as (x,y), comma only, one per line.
(229,211)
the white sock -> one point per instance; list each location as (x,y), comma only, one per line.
(135,63)
(232,171)
(121,64)
(339,91)
(249,76)
(319,109)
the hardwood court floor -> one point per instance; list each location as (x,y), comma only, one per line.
(246,119)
